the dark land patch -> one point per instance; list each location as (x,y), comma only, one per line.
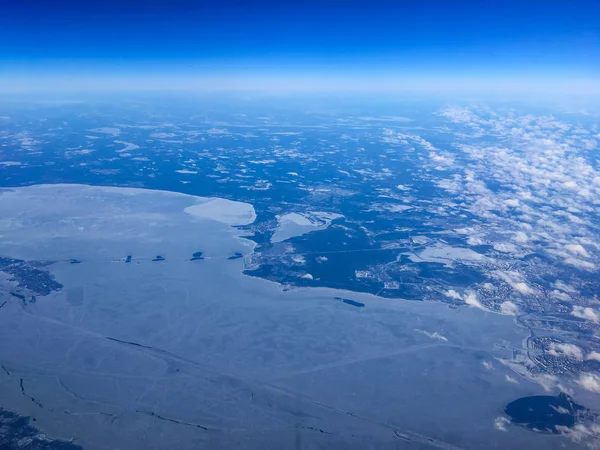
(350,302)
(196,256)
(544,413)
(16,433)
(28,276)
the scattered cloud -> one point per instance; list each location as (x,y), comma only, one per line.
(470,299)
(509,308)
(500,423)
(593,356)
(577,249)
(107,130)
(453,294)
(520,237)
(515,280)
(582,432)
(590,382)
(586,313)
(547,381)
(567,350)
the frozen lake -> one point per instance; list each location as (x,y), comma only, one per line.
(166,352)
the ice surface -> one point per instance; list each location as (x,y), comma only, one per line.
(295,224)
(192,354)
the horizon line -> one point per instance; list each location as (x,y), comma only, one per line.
(19,83)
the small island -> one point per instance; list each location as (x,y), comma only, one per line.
(196,256)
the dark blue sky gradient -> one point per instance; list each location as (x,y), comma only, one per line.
(477,37)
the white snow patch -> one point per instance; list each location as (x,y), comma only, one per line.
(446,254)
(434,335)
(295,224)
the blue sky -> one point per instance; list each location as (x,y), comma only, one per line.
(493,40)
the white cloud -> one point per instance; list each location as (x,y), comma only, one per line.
(581,432)
(505,247)
(571,185)
(523,288)
(470,299)
(500,423)
(590,382)
(568,350)
(107,130)
(547,381)
(539,173)
(515,280)
(585,313)
(474,240)
(564,287)
(577,249)
(580,264)
(510,379)
(487,365)
(560,295)
(509,308)
(453,294)
(520,237)
(298,259)
(594,356)
(488,286)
